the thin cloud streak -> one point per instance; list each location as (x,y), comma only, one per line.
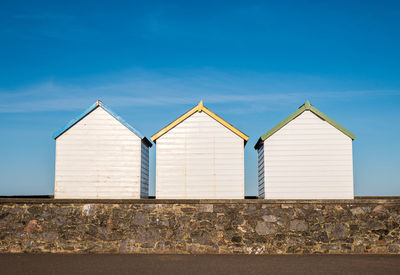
(249,93)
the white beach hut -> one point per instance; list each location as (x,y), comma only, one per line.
(306,156)
(199,156)
(100,156)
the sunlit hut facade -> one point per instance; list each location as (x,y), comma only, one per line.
(306,156)
(100,156)
(200,156)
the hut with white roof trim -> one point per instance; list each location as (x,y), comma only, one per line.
(306,156)
(100,156)
(199,156)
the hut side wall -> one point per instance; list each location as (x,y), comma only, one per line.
(98,158)
(261,174)
(200,158)
(144,171)
(308,159)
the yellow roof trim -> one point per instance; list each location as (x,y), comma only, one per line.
(174,123)
(199,108)
(226,124)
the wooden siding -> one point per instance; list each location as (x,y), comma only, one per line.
(308,159)
(144,172)
(98,158)
(200,159)
(261,175)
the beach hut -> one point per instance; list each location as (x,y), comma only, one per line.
(306,156)
(199,156)
(100,156)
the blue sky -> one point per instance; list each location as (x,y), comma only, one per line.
(252,62)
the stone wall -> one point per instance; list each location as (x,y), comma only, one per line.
(160,226)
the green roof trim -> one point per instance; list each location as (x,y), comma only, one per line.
(306,106)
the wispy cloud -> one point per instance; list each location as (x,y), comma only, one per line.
(246,91)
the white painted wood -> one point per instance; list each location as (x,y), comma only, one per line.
(307,159)
(200,159)
(99,158)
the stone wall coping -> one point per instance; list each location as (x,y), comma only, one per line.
(356,200)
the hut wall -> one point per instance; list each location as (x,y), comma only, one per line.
(261,174)
(144,171)
(200,158)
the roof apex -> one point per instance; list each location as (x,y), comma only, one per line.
(200,106)
(307,105)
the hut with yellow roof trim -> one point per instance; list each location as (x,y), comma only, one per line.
(199,156)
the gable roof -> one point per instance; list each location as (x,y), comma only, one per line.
(306,106)
(96,105)
(199,108)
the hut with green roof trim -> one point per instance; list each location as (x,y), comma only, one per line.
(306,156)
